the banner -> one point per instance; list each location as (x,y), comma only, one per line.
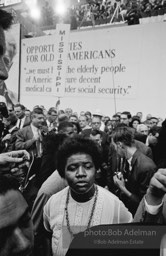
(97,66)
(123,64)
(44,64)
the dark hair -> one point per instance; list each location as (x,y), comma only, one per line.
(8,183)
(108,121)
(88,113)
(123,134)
(6,19)
(26,109)
(75,145)
(153,117)
(19,105)
(12,118)
(121,125)
(63,125)
(61,111)
(52,109)
(73,115)
(155,129)
(135,118)
(86,117)
(63,118)
(38,111)
(127,113)
(95,132)
(116,115)
(77,126)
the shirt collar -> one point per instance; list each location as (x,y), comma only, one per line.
(34,128)
(129,161)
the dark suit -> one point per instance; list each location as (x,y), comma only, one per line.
(101,175)
(27,121)
(141,137)
(137,180)
(144,149)
(116,163)
(10,144)
(25,141)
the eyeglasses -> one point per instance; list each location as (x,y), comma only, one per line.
(96,123)
(125,118)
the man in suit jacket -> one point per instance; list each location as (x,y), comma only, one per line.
(23,120)
(116,162)
(30,138)
(135,177)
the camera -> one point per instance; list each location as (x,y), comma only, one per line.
(118,174)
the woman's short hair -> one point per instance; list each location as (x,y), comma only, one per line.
(75,145)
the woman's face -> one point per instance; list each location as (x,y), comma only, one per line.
(80,172)
(135,123)
(75,129)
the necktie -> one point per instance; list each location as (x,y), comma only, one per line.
(39,145)
(19,125)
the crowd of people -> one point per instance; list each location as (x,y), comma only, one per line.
(63,172)
(128,11)
(102,12)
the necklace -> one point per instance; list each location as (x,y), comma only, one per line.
(91,215)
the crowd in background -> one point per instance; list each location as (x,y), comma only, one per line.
(102,12)
(18,132)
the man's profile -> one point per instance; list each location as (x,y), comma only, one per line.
(8,58)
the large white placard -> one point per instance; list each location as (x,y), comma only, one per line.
(101,64)
(97,66)
(113,69)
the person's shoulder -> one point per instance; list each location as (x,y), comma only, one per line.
(57,196)
(24,130)
(139,143)
(140,154)
(142,147)
(53,184)
(143,160)
(107,194)
(86,131)
(27,121)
